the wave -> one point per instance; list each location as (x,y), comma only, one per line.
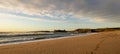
(14,37)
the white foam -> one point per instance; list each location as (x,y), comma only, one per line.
(45,39)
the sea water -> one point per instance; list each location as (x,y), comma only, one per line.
(6,38)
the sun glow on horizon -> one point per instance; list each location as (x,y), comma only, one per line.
(16,23)
(36,15)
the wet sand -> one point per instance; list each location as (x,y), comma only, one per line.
(101,43)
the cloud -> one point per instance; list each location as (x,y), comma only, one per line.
(93,10)
(10,16)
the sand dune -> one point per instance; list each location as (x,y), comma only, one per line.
(101,43)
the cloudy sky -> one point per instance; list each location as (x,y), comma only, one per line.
(27,15)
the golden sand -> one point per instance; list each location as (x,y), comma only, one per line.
(101,43)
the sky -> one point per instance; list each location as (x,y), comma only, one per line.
(36,15)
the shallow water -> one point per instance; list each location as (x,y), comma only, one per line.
(14,38)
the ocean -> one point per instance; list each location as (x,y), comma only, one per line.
(7,38)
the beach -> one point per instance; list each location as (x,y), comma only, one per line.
(100,43)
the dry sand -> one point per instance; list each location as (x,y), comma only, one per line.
(101,43)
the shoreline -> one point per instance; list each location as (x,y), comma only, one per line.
(100,43)
(32,41)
